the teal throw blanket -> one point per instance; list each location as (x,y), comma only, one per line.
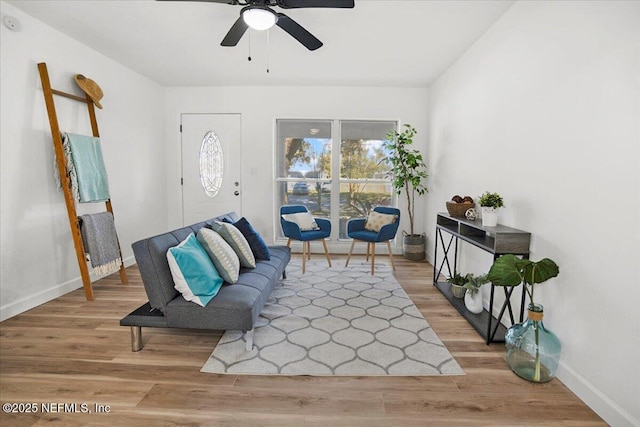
(86,153)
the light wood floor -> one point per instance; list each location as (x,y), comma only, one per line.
(73,351)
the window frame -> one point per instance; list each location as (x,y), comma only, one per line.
(335,180)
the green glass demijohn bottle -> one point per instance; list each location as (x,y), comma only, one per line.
(533,352)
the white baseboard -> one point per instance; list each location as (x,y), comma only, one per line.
(32,301)
(601,404)
(593,397)
(27,303)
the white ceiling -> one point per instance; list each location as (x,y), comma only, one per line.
(378,43)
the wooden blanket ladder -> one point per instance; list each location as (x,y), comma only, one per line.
(65,180)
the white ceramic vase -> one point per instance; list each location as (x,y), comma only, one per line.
(489,216)
(473,302)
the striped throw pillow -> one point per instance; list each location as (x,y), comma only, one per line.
(237,241)
(223,256)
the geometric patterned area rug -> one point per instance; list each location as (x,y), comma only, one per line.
(336,321)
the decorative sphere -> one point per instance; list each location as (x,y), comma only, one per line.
(471,214)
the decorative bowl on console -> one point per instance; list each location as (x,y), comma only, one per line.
(459,205)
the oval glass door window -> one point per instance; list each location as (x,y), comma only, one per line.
(211,164)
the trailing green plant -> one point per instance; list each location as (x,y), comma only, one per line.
(408,170)
(492,200)
(457,279)
(509,270)
(474,283)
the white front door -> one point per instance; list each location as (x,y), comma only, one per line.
(210,175)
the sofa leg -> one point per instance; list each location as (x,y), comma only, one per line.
(284,274)
(136,338)
(248,338)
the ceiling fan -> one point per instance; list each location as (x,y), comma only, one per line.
(259,15)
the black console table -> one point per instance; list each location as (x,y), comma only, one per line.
(498,240)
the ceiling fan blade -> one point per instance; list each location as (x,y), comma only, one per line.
(298,32)
(208,1)
(294,4)
(235,33)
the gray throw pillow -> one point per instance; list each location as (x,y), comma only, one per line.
(223,256)
(237,241)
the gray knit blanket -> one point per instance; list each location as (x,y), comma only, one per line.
(101,242)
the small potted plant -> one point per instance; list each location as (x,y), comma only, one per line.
(473,296)
(533,352)
(457,285)
(490,203)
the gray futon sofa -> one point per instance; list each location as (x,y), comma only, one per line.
(235,307)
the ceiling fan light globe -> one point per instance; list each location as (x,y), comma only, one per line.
(259,19)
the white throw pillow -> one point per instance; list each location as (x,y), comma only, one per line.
(305,220)
(377,220)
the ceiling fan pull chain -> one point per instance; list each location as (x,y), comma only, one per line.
(249,45)
(268,49)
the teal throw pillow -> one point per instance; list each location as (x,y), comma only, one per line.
(194,274)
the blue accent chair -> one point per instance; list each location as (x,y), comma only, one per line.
(292,231)
(357,232)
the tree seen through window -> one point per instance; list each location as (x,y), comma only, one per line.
(305,163)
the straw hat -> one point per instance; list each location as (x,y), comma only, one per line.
(91,88)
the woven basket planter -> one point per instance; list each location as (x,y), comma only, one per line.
(458,209)
(413,246)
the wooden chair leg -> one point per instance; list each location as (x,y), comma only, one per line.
(326,251)
(353,242)
(304,257)
(309,251)
(288,243)
(393,264)
(373,257)
(368,250)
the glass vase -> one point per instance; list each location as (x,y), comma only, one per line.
(533,352)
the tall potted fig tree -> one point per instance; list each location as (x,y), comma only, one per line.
(408,173)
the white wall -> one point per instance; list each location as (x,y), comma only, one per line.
(38,258)
(545,110)
(260,106)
